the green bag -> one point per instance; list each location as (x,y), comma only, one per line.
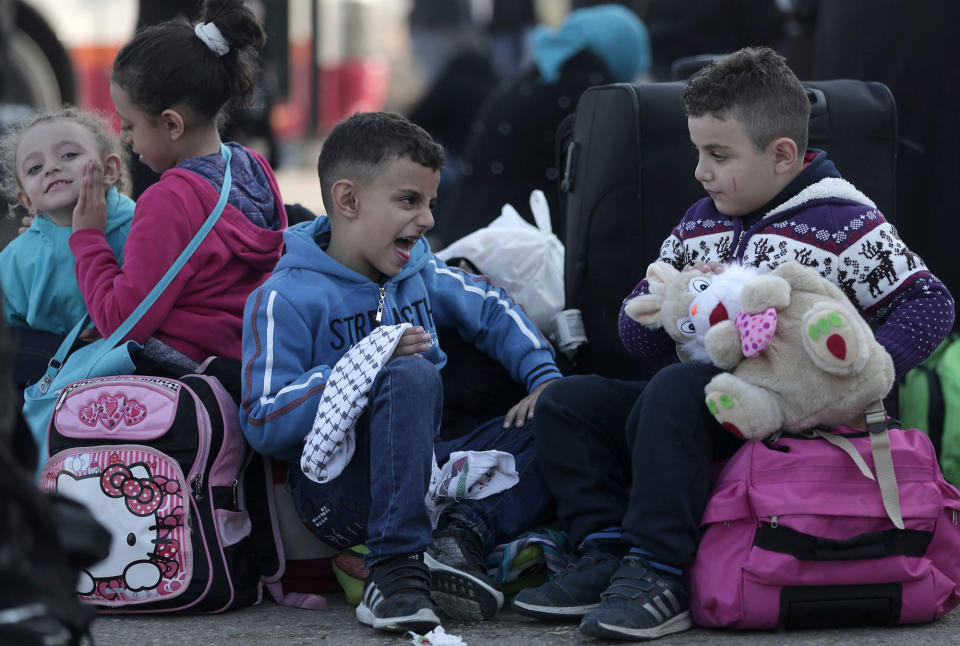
(929,398)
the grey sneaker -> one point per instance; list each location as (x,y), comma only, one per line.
(396,596)
(460,585)
(639,604)
(573,592)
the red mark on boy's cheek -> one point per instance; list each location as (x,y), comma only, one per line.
(734,184)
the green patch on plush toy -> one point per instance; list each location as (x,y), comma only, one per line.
(796,351)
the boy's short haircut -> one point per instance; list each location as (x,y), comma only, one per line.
(358,148)
(756,87)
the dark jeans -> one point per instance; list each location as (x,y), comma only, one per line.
(378,500)
(636,455)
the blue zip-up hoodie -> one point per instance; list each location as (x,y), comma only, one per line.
(299,323)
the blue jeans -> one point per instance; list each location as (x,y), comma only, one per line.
(378,500)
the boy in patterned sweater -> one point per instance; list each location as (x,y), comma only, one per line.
(630,464)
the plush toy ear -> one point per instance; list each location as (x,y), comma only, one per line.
(659,274)
(645,309)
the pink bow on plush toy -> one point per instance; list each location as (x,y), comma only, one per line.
(756,330)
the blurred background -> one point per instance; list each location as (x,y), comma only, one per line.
(445,63)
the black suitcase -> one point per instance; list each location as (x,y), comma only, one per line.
(628,179)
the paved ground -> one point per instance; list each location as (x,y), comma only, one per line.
(269,624)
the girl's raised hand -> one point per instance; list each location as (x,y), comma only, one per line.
(91,209)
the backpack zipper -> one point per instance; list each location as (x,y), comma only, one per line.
(203,447)
(167,385)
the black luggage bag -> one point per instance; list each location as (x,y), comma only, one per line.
(628,179)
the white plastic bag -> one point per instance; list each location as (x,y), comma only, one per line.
(525,260)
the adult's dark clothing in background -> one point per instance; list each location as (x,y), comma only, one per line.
(448,107)
(512,148)
(509,26)
(681,28)
(912,48)
(440,13)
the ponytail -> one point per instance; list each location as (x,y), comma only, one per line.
(206,67)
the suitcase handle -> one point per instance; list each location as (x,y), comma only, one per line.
(818,102)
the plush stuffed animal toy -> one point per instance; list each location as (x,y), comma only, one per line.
(798,354)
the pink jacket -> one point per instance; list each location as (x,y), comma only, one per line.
(201,312)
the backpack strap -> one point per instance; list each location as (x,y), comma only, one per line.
(847,447)
(876,423)
(876,418)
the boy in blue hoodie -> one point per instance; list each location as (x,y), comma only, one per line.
(366,265)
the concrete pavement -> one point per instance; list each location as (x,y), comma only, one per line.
(269,624)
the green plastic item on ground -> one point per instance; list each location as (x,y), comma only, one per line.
(350,572)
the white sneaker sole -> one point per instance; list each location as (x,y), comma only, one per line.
(553,612)
(423,621)
(673,625)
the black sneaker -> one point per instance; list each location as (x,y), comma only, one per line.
(573,592)
(396,596)
(639,604)
(460,585)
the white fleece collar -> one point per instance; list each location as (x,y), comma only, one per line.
(827,187)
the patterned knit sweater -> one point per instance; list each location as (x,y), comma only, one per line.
(829,225)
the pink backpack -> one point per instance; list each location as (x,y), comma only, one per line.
(797,535)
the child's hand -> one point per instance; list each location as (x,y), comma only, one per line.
(523,410)
(706,267)
(25,223)
(413,341)
(91,209)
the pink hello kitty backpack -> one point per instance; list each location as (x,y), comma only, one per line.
(163,465)
(797,534)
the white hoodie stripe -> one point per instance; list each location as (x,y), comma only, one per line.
(512,313)
(268,367)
